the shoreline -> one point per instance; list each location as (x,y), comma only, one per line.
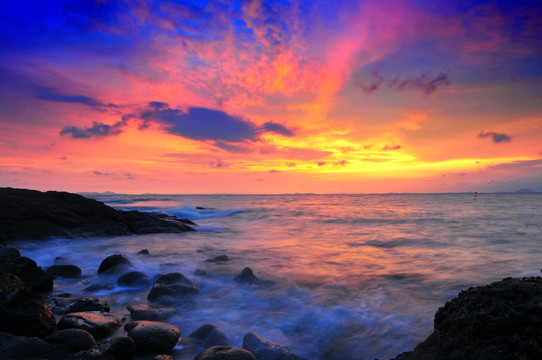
(421,349)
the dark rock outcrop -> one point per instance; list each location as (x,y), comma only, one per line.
(247,277)
(24,348)
(153,337)
(225,353)
(98,324)
(265,349)
(73,339)
(65,305)
(114,263)
(30,214)
(116,348)
(150,313)
(134,279)
(499,321)
(27,270)
(209,335)
(67,271)
(170,288)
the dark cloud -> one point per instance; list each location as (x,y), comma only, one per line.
(525,164)
(497,137)
(95,172)
(391,148)
(96,130)
(233,148)
(277,128)
(321,163)
(217,164)
(51,94)
(425,82)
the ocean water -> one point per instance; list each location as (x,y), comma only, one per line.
(350,276)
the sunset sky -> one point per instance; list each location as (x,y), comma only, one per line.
(271,96)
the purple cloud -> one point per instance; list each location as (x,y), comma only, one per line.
(425,82)
(497,137)
(97,130)
(277,128)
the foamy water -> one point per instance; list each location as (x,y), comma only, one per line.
(353,276)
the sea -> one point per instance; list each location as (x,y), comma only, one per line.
(346,277)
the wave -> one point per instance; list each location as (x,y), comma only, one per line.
(198,213)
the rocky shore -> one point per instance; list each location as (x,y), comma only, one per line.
(502,320)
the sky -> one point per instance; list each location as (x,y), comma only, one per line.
(271,96)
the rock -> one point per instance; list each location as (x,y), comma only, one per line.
(170,288)
(225,353)
(163,357)
(74,339)
(219,258)
(114,263)
(209,335)
(265,349)
(143,252)
(153,337)
(134,279)
(28,271)
(146,312)
(247,277)
(30,214)
(10,283)
(7,253)
(22,312)
(67,271)
(25,348)
(65,305)
(98,324)
(499,321)
(199,272)
(118,348)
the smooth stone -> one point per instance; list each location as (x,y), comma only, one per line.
(247,277)
(67,271)
(118,348)
(265,349)
(22,312)
(65,305)
(25,348)
(114,263)
(209,335)
(134,279)
(146,312)
(9,283)
(74,339)
(154,337)
(163,357)
(199,272)
(170,288)
(143,252)
(225,353)
(219,258)
(28,271)
(7,253)
(98,324)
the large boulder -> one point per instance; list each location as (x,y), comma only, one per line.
(100,325)
(151,313)
(170,288)
(25,348)
(154,337)
(22,312)
(66,271)
(134,279)
(225,353)
(209,335)
(115,348)
(499,321)
(114,263)
(73,339)
(265,349)
(30,214)
(27,270)
(69,304)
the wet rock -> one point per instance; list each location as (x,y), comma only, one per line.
(247,277)
(225,353)
(134,279)
(163,357)
(28,271)
(209,335)
(65,305)
(219,259)
(146,312)
(24,348)
(143,252)
(7,253)
(10,283)
(62,260)
(265,349)
(73,339)
(30,214)
(114,263)
(22,312)
(499,321)
(153,337)
(118,348)
(98,324)
(170,288)
(99,287)
(199,272)
(67,271)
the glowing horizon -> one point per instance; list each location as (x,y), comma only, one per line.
(271,96)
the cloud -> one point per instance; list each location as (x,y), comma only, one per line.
(391,148)
(233,148)
(525,164)
(289,163)
(97,130)
(218,164)
(497,137)
(95,172)
(321,163)
(425,82)
(51,94)
(277,128)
